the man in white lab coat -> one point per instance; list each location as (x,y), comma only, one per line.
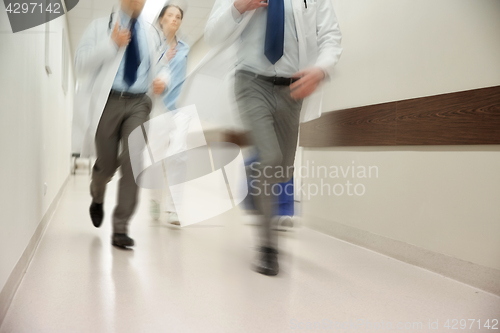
(118,58)
(285,49)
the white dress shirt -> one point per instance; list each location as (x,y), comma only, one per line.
(141,85)
(250,52)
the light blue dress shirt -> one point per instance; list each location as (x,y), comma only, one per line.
(250,52)
(178,69)
(142,84)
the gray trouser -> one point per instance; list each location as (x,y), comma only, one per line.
(119,118)
(273,118)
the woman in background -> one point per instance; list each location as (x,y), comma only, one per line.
(176,53)
(170,20)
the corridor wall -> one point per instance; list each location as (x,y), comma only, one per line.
(35,125)
(433,206)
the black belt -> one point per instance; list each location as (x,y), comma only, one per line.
(276,80)
(123,94)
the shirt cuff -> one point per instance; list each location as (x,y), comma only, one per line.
(327,76)
(237,16)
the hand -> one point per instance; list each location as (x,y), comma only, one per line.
(121,37)
(247,5)
(158,86)
(171,54)
(309,80)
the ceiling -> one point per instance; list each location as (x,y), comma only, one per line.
(195,16)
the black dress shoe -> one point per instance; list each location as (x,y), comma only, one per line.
(122,240)
(267,262)
(96,214)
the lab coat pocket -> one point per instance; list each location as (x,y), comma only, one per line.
(309,17)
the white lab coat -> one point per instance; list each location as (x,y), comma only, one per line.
(210,84)
(96,63)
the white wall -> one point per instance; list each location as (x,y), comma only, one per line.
(401,49)
(196,53)
(35,119)
(443,199)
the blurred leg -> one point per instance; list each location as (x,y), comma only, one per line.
(106,141)
(286,124)
(156,197)
(176,162)
(257,104)
(136,114)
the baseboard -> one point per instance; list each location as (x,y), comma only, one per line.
(485,278)
(17,274)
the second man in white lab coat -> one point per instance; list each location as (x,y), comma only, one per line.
(285,50)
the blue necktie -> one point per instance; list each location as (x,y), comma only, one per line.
(132,56)
(275,31)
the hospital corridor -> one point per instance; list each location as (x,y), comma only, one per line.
(249,166)
(197,280)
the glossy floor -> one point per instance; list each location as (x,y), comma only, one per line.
(198,279)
